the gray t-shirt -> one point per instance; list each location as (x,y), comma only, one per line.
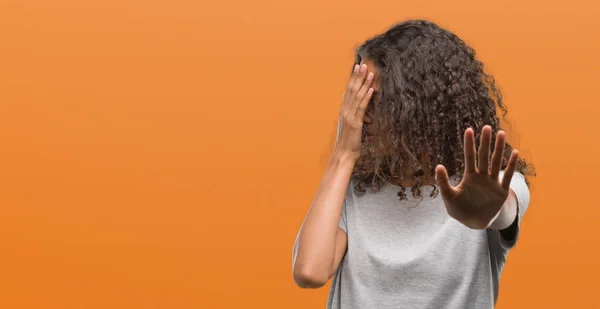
(406,254)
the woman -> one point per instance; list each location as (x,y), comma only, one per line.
(418,108)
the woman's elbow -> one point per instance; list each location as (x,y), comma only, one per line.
(307,278)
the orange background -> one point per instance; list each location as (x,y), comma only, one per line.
(162,154)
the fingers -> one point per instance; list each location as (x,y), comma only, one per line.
(363,89)
(360,91)
(484,149)
(357,79)
(443,181)
(498,155)
(510,169)
(339,128)
(353,78)
(469,145)
(349,93)
(362,106)
(365,85)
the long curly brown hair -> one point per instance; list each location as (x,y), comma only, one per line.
(432,88)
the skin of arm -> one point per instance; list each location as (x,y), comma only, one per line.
(320,244)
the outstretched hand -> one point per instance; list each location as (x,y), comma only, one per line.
(479,197)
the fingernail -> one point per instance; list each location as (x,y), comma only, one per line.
(363,67)
(370,91)
(370,76)
(355,68)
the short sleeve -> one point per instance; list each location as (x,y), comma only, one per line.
(521,191)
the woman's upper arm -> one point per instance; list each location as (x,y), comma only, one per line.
(341,244)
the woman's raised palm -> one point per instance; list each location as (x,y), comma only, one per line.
(479,197)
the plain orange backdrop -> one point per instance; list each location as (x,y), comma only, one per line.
(162,154)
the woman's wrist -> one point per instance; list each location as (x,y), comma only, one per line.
(344,159)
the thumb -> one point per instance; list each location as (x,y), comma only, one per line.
(443,181)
